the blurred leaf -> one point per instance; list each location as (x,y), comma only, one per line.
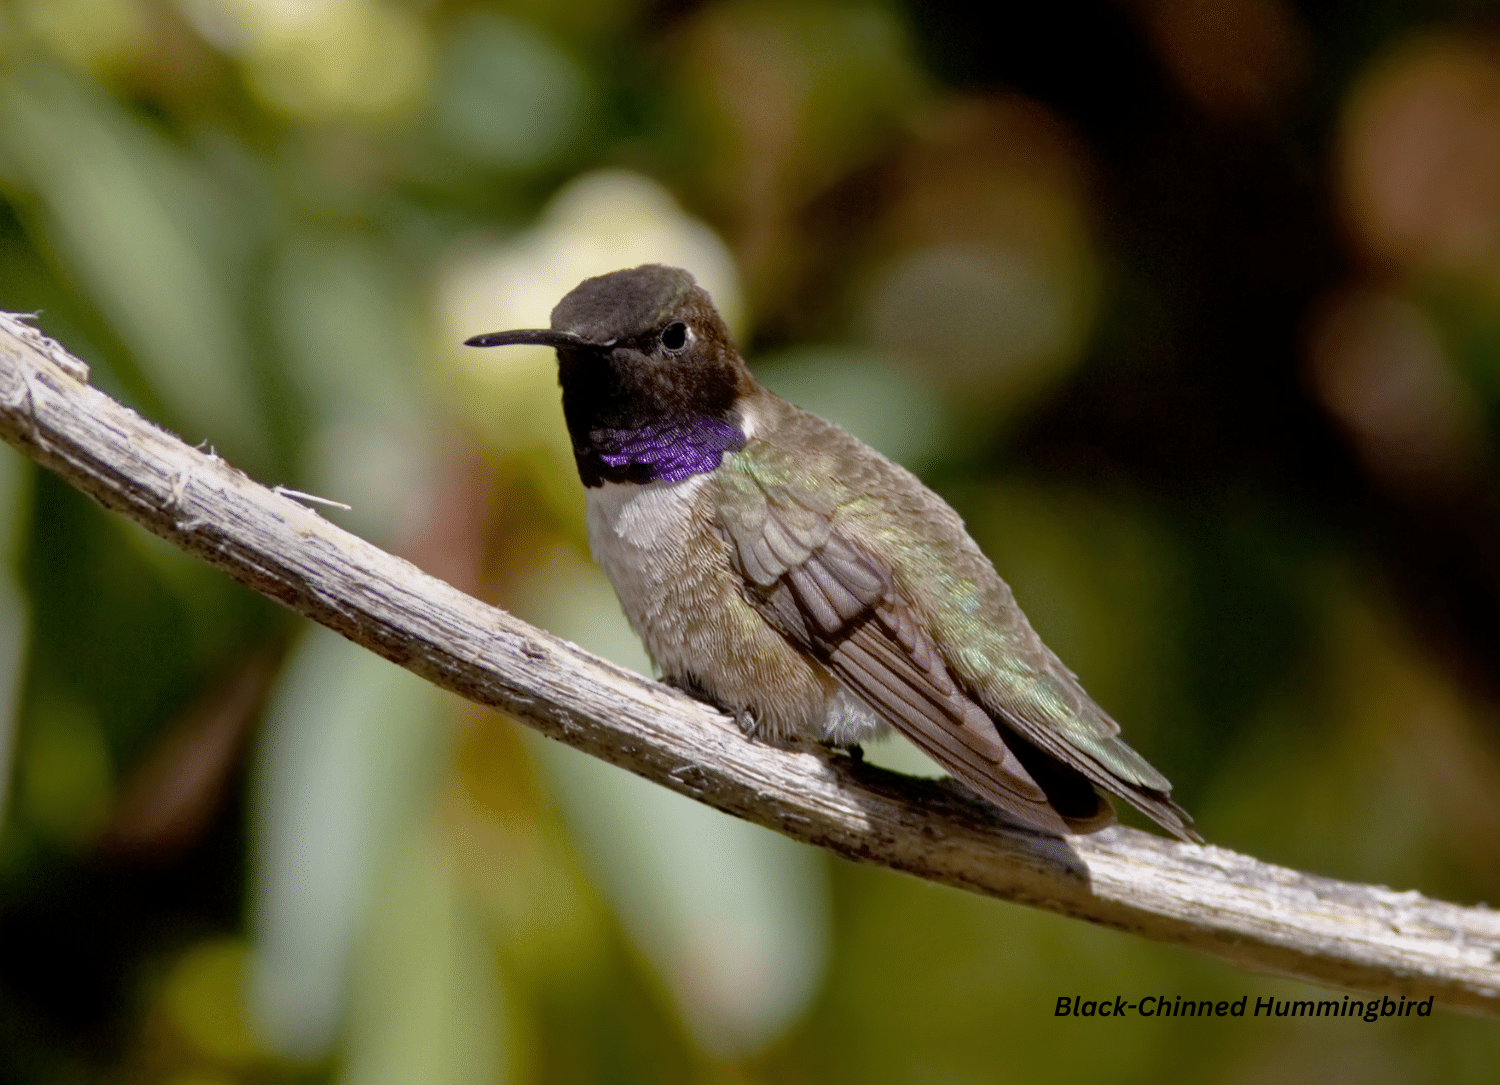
(517,860)
(137,223)
(97,34)
(507,96)
(429,1005)
(345,325)
(788,97)
(343,316)
(990,325)
(67,780)
(348,755)
(205,1000)
(368,59)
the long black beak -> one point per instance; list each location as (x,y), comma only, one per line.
(542,337)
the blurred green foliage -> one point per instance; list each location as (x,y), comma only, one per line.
(1191,310)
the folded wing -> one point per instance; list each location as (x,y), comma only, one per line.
(831,597)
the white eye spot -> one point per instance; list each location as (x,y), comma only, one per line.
(676,336)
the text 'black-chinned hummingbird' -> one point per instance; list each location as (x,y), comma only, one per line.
(796,578)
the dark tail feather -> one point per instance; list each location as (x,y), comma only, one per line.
(1074,797)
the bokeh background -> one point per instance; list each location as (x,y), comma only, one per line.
(1191,309)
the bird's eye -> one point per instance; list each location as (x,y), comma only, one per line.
(674,336)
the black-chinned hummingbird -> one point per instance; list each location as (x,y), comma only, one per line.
(782,570)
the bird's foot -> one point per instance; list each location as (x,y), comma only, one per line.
(852,750)
(743,717)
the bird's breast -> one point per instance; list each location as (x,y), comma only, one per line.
(639,534)
(660,546)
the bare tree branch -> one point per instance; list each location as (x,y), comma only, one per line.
(1227,905)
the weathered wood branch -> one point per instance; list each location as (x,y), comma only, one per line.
(1230,906)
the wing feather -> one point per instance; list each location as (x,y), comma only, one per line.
(838,603)
(785,549)
(964,677)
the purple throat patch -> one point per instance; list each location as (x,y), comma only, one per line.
(669,451)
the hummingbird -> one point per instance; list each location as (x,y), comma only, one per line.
(778,568)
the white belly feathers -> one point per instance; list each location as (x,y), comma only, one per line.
(646,540)
(640,536)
